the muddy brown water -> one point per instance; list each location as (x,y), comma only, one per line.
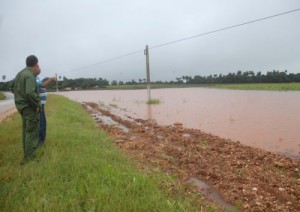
(265,119)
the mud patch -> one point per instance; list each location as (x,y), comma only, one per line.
(247,177)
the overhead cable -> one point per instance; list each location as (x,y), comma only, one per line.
(184,39)
(225,28)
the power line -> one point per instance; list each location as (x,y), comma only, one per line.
(184,39)
(225,28)
(106,61)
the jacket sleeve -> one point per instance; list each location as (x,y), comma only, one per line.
(30,86)
(12,86)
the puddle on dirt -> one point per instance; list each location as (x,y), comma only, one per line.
(97,116)
(212,194)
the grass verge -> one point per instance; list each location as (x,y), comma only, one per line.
(261,86)
(2,96)
(78,169)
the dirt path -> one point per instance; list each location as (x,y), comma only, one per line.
(254,179)
(7,114)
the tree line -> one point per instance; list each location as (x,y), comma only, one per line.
(243,77)
(68,84)
(274,76)
(80,83)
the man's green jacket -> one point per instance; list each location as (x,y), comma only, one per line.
(25,90)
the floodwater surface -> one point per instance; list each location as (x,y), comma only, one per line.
(265,119)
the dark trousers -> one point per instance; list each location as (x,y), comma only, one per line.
(31,128)
(43,126)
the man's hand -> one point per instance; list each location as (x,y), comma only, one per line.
(48,81)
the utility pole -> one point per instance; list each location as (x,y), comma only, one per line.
(56,83)
(146,52)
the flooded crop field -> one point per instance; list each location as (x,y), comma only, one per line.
(268,120)
(233,176)
(221,141)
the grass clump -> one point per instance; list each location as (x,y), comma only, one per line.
(203,144)
(2,96)
(78,169)
(153,101)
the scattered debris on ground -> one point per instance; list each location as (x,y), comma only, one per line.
(229,173)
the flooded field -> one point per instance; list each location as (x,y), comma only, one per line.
(266,119)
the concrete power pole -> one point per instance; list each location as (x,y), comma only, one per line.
(146,52)
(56,83)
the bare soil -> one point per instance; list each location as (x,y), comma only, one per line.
(251,178)
(6,115)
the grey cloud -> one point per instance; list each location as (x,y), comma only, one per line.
(67,35)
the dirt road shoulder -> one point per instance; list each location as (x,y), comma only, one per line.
(4,116)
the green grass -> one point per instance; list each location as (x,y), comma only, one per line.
(2,96)
(261,86)
(153,101)
(203,144)
(79,169)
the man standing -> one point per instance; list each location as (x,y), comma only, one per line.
(43,97)
(27,102)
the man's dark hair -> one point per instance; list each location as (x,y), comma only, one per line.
(31,61)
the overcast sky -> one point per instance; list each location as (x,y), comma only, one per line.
(70,34)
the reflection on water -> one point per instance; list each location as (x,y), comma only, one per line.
(149,111)
(264,119)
